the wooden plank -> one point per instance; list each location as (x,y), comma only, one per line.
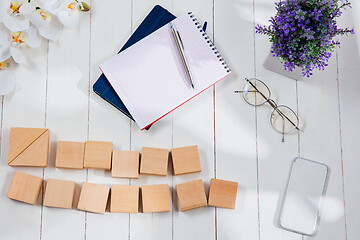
(67,118)
(155,225)
(320,141)
(274,156)
(110,28)
(349,87)
(194,125)
(23,108)
(235,121)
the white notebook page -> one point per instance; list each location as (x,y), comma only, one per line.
(149,76)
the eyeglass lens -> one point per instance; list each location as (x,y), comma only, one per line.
(255,92)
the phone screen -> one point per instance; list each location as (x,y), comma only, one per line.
(303,196)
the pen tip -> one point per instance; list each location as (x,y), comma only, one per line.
(192,85)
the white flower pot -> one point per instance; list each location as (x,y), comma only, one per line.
(274,64)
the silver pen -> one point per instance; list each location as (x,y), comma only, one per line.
(180,48)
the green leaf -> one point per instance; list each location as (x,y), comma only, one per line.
(84,7)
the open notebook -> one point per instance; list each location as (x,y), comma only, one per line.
(149,76)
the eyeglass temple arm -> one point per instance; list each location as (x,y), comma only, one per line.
(272,104)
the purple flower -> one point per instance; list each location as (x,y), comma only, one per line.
(302,32)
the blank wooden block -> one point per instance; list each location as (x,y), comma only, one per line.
(155,198)
(93,198)
(59,193)
(125,164)
(70,155)
(222,193)
(154,161)
(191,195)
(124,199)
(29,147)
(98,155)
(186,160)
(25,187)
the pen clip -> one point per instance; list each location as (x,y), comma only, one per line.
(180,39)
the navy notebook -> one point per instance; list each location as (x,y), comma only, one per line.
(157,18)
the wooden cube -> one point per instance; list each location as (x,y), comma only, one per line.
(124,199)
(154,161)
(155,198)
(25,187)
(186,160)
(125,164)
(222,193)
(98,155)
(29,147)
(93,198)
(59,193)
(70,155)
(191,195)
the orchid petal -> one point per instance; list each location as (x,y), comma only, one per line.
(69,19)
(16,23)
(52,6)
(1,18)
(26,8)
(52,30)
(4,54)
(36,19)
(4,47)
(7,82)
(32,37)
(18,56)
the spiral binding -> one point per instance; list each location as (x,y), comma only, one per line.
(208,41)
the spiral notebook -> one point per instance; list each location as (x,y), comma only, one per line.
(149,76)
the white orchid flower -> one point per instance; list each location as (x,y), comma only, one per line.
(67,11)
(7,79)
(11,46)
(12,14)
(48,25)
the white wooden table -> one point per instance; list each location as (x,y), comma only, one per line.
(236,141)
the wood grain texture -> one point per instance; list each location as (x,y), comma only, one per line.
(222,193)
(93,198)
(125,164)
(155,198)
(186,160)
(25,187)
(124,199)
(59,193)
(29,149)
(154,161)
(70,155)
(191,195)
(98,155)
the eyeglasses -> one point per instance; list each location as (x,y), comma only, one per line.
(283,119)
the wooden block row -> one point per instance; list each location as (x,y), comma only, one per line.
(125,164)
(124,198)
(30,147)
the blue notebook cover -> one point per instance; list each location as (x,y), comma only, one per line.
(157,18)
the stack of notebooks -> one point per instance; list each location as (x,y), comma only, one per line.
(147,81)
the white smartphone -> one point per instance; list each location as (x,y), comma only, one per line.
(303,196)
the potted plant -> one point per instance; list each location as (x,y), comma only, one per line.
(302,33)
